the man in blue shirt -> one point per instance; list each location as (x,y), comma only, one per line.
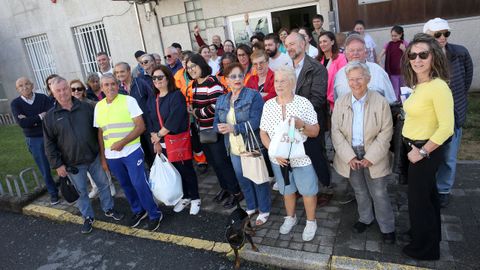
(29,109)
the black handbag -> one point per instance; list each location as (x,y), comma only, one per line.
(208,135)
(68,190)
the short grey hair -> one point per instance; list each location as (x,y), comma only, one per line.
(354,37)
(92,76)
(57,80)
(107,76)
(124,64)
(353,65)
(149,56)
(289,73)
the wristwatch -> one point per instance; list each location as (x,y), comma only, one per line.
(424,153)
(158,135)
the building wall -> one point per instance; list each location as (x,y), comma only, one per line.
(463,31)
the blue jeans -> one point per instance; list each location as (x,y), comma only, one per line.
(130,172)
(81,181)
(256,196)
(448,166)
(37,149)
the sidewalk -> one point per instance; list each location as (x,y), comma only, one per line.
(335,239)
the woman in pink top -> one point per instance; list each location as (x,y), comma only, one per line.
(332,60)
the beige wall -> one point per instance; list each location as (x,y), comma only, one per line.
(464,32)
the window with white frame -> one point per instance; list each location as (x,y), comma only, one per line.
(41,59)
(90,40)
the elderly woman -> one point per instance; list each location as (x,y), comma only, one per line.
(361,132)
(93,91)
(206,90)
(233,111)
(263,79)
(428,125)
(302,175)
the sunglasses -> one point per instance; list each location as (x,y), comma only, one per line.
(439,34)
(168,56)
(158,78)
(236,76)
(422,55)
(78,89)
(145,62)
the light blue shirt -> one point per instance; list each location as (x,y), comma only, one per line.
(298,68)
(358,107)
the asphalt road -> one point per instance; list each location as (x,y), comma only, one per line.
(35,243)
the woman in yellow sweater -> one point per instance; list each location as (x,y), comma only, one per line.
(428,124)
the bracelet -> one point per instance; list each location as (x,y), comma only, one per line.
(158,135)
(424,153)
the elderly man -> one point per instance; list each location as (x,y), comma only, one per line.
(276,58)
(148,64)
(172,60)
(158,58)
(120,124)
(29,109)
(141,91)
(356,50)
(461,73)
(216,39)
(312,84)
(72,148)
(103,62)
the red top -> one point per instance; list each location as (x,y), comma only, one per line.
(200,42)
(268,86)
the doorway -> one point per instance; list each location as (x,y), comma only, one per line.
(293,18)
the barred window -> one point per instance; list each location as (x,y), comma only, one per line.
(90,40)
(41,59)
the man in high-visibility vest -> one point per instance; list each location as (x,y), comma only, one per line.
(120,124)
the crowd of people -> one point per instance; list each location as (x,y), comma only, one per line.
(332,86)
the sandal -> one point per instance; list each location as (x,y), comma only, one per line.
(262,219)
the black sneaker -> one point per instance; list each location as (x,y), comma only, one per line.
(137,218)
(221,196)
(114,214)
(360,227)
(444,200)
(233,200)
(388,238)
(54,199)
(153,224)
(87,225)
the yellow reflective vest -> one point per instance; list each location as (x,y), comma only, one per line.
(115,121)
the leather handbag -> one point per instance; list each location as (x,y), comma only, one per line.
(252,160)
(178,146)
(68,190)
(208,135)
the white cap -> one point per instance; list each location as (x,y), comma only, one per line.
(435,25)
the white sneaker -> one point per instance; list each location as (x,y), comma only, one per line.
(194,207)
(275,186)
(181,205)
(288,224)
(93,193)
(309,231)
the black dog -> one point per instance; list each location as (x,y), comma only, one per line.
(239,228)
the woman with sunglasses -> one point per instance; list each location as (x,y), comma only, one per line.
(461,73)
(233,111)
(170,117)
(206,90)
(428,125)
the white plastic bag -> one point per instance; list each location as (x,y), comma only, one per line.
(287,145)
(165,181)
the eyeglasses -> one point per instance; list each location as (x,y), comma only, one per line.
(439,34)
(236,76)
(77,89)
(423,55)
(189,68)
(168,56)
(145,62)
(158,78)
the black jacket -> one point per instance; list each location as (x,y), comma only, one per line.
(70,138)
(312,84)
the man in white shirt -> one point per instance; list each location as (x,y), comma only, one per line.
(103,62)
(277,59)
(355,50)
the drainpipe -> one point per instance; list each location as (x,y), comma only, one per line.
(158,29)
(140,30)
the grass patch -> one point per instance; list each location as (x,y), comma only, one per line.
(14,155)
(470,147)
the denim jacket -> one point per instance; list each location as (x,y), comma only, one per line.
(248,107)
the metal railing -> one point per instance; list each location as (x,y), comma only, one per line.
(16,188)
(6,119)
(90,39)
(41,59)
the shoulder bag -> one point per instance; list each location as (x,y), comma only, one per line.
(252,160)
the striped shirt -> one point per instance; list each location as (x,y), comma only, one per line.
(204,98)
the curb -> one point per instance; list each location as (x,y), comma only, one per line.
(15,204)
(272,256)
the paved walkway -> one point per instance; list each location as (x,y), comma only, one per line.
(460,224)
